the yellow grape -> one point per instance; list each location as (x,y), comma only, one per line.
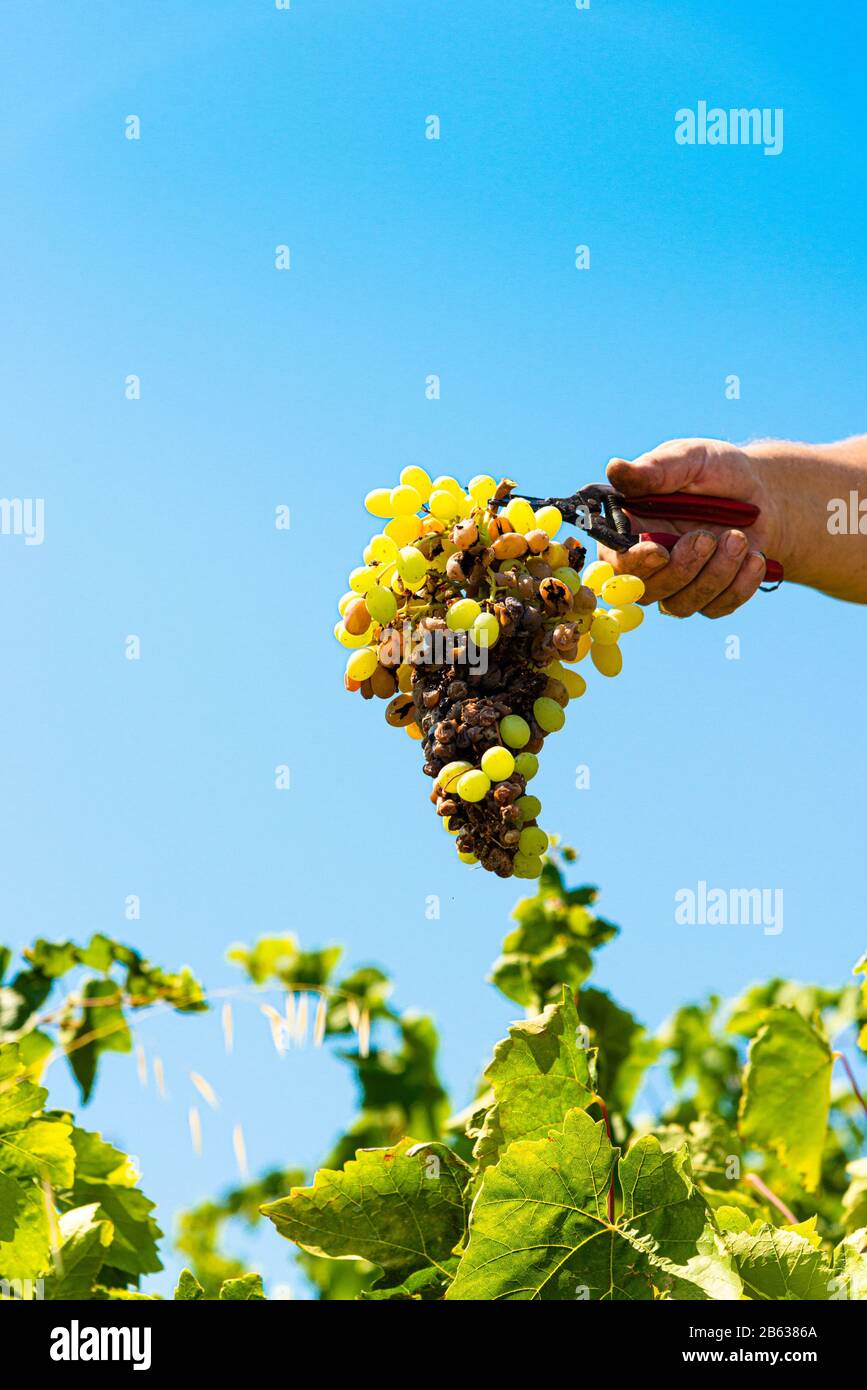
(447,484)
(344,603)
(557,555)
(361,665)
(521,515)
(549,519)
(607,660)
(448,775)
(595,575)
(444,504)
(404,501)
(413,476)
(362,579)
(378,502)
(403,530)
(604,629)
(628,618)
(482,488)
(404,678)
(381,548)
(622,589)
(575,684)
(414,731)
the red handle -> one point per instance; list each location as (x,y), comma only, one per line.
(693,506)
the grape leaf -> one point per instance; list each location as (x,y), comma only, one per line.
(861,969)
(623,1047)
(31,1145)
(84,1241)
(401,1208)
(244,1290)
(101,1028)
(855,1197)
(849,1264)
(28,1253)
(787,1093)
(105,1175)
(539,1227)
(541,1070)
(779,1263)
(188,1289)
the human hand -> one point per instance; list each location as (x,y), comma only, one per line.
(712,570)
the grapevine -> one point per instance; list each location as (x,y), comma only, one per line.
(467,616)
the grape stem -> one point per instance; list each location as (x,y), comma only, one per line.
(604,1108)
(755,1181)
(840,1056)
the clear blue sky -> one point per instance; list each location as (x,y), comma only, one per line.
(261,127)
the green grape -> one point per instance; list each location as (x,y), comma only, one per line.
(622,589)
(604,629)
(498,763)
(596,574)
(527,764)
(533,841)
(381,604)
(548,714)
(529,806)
(411,566)
(526,865)
(607,660)
(404,501)
(569,577)
(514,731)
(448,776)
(362,664)
(629,617)
(474,785)
(485,631)
(467,858)
(463,614)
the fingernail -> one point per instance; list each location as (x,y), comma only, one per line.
(735,544)
(756,563)
(655,561)
(704,544)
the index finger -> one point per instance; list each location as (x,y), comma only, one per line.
(644,559)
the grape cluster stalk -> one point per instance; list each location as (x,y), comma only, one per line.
(467,616)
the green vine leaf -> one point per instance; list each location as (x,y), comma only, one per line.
(401,1208)
(539,1227)
(84,1242)
(787,1093)
(541,1070)
(246,1289)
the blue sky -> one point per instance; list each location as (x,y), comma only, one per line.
(305,127)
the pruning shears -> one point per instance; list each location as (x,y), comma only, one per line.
(600,510)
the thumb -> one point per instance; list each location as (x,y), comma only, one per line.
(671,467)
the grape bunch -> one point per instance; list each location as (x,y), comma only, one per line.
(467,616)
